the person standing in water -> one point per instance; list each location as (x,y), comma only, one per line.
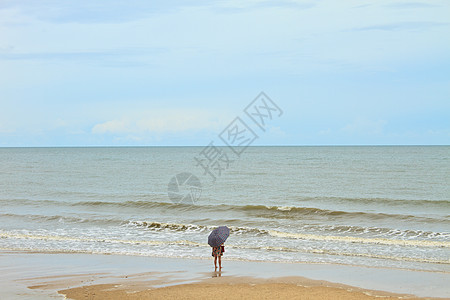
(216,239)
(217,252)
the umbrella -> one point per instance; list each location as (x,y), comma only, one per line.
(218,236)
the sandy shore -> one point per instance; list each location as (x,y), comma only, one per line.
(25,275)
(237,288)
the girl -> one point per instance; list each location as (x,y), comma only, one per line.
(218,252)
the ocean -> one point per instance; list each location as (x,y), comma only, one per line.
(378,206)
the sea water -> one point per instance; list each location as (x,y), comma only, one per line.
(383,206)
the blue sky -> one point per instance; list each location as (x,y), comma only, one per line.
(100,73)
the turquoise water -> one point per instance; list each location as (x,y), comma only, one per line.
(374,206)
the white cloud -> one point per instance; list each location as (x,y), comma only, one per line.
(325,131)
(365,126)
(114,126)
(163,121)
(3,129)
(277,132)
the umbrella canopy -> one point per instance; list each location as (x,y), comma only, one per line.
(218,236)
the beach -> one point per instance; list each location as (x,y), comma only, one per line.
(238,289)
(27,275)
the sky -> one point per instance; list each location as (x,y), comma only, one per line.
(168,73)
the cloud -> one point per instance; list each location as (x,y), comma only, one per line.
(163,121)
(402,26)
(4,129)
(117,11)
(410,5)
(239,6)
(113,126)
(325,132)
(365,126)
(276,132)
(83,11)
(135,57)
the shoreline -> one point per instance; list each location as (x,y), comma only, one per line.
(42,275)
(228,259)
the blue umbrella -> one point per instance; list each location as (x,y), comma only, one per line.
(218,236)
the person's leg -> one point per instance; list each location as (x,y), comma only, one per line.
(220,262)
(215,262)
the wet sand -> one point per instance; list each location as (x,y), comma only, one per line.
(234,288)
(90,276)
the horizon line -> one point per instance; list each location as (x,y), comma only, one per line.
(225,146)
